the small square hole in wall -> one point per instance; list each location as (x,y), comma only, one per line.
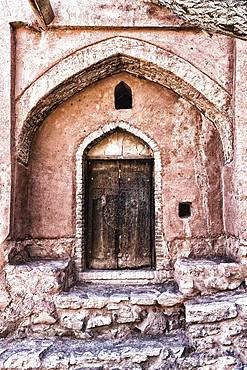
(184,209)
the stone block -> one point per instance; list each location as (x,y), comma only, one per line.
(44,318)
(154,324)
(23,355)
(242,306)
(96,302)
(70,300)
(113,306)
(73,320)
(23,361)
(117,298)
(208,275)
(128,314)
(233,329)
(145,299)
(39,278)
(139,355)
(204,312)
(203,330)
(108,355)
(5,299)
(78,354)
(99,320)
(169,299)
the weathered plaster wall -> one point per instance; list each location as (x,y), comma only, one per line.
(111,56)
(20,199)
(32,301)
(191,168)
(73,13)
(131,15)
(240,137)
(212,55)
(235,188)
(5,136)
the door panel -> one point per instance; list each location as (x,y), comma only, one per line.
(135,214)
(102,214)
(119,214)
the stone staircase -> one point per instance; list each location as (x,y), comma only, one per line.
(119,311)
(61,354)
(89,326)
(51,323)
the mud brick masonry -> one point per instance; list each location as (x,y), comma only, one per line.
(123,185)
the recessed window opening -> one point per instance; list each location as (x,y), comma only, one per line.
(184,209)
(123,96)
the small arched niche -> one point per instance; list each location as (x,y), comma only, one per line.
(123,96)
(119,203)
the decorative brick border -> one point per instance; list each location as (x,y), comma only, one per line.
(161,251)
(111,56)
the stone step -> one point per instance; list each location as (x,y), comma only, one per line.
(143,276)
(41,278)
(63,354)
(208,275)
(117,311)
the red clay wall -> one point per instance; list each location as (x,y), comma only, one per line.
(35,52)
(190,150)
(212,55)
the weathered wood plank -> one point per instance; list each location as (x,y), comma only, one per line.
(43,11)
(102,214)
(135,214)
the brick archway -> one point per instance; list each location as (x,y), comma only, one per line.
(159,241)
(111,56)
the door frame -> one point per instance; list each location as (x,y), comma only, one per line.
(162,259)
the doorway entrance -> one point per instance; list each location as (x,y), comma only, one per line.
(120,217)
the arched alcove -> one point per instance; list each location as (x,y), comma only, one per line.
(127,160)
(186,169)
(111,56)
(119,203)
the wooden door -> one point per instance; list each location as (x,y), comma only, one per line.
(119,214)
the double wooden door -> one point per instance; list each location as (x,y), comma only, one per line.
(120,214)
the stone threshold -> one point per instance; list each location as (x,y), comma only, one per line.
(92,295)
(42,354)
(125,276)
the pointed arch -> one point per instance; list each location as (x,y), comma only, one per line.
(160,246)
(111,56)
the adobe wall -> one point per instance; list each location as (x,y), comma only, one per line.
(191,167)
(213,54)
(240,139)
(195,47)
(189,90)
(68,14)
